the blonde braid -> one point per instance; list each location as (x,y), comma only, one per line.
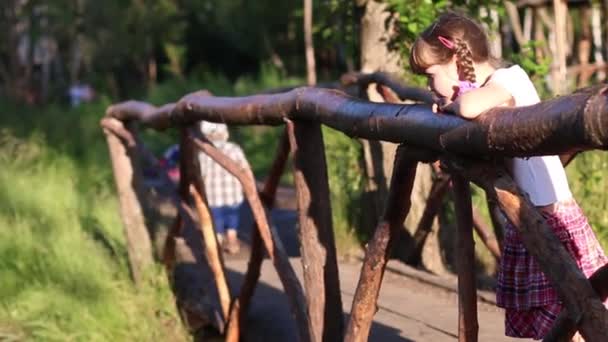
(464,60)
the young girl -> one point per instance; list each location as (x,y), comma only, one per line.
(454,54)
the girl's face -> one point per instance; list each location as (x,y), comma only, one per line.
(443,80)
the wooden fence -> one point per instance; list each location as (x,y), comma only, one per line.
(471,150)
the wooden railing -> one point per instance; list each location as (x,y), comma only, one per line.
(470,150)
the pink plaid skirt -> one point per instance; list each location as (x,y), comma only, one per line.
(524,291)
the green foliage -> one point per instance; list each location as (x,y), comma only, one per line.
(345,176)
(587,178)
(536,68)
(62,255)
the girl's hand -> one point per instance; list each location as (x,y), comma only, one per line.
(451,108)
(445,106)
(439,103)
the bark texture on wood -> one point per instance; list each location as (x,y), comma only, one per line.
(192,279)
(483,231)
(468,327)
(238,311)
(269,236)
(425,224)
(128,177)
(578,296)
(564,124)
(317,243)
(564,327)
(378,249)
(378,30)
(212,252)
(403,91)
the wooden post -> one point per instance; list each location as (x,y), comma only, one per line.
(317,245)
(468,326)
(241,304)
(273,244)
(127,175)
(378,249)
(439,188)
(498,221)
(482,230)
(211,251)
(560,10)
(564,327)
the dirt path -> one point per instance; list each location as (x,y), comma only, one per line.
(409,310)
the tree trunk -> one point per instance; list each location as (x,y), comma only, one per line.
(560,10)
(378,28)
(596,31)
(311,74)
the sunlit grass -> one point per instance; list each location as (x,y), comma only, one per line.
(63,273)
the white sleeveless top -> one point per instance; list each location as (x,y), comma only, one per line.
(542,179)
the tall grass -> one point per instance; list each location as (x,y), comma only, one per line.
(63,273)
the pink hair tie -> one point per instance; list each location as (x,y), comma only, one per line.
(446,42)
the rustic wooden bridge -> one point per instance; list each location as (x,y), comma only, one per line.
(472,151)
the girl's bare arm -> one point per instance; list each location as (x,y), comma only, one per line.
(472,103)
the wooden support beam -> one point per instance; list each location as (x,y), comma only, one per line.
(483,231)
(271,241)
(433,204)
(212,252)
(240,306)
(317,243)
(468,327)
(404,92)
(128,177)
(378,249)
(564,327)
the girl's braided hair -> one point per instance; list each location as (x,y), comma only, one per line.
(470,44)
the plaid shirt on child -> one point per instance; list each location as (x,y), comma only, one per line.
(222,188)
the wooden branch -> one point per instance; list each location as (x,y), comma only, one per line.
(578,296)
(468,326)
(498,221)
(128,176)
(564,327)
(482,230)
(241,304)
(513,15)
(317,243)
(433,204)
(273,244)
(574,122)
(577,116)
(392,82)
(191,276)
(378,249)
(211,251)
